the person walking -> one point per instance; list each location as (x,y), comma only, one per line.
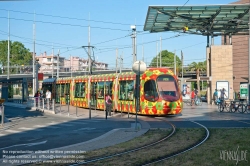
(215,96)
(37,97)
(48,97)
(108,102)
(192,97)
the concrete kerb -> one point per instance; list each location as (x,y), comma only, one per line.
(113,137)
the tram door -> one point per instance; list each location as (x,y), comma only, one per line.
(93,89)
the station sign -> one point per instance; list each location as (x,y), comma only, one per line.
(243,90)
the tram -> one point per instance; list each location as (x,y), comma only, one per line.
(159,92)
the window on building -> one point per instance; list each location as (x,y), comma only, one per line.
(48,59)
(80,89)
(126,91)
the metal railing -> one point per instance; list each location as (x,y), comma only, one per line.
(41,103)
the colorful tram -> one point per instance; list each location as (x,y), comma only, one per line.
(159,92)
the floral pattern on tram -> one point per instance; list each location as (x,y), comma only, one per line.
(77,99)
(124,105)
(160,106)
(103,78)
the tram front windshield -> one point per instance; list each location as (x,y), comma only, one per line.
(168,88)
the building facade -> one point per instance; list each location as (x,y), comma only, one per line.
(50,64)
(240,56)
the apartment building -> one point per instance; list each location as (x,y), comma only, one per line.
(49,63)
(76,64)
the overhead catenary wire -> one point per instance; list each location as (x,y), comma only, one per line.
(57,23)
(72,18)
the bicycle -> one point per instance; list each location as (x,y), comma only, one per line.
(188,101)
(198,101)
(246,108)
(237,106)
(222,105)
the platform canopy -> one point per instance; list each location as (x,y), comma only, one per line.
(216,20)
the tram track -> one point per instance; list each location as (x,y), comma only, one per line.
(173,131)
(163,158)
(147,147)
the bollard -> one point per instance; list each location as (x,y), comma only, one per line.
(106,113)
(68,109)
(48,104)
(89,110)
(104,108)
(60,107)
(76,110)
(128,108)
(53,105)
(43,104)
(121,108)
(2,108)
(38,104)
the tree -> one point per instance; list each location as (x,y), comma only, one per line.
(198,67)
(167,59)
(19,55)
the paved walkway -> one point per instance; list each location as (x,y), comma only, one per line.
(110,138)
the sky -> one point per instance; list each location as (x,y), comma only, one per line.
(64,26)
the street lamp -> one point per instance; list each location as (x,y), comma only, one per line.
(138,67)
(36,75)
(133,27)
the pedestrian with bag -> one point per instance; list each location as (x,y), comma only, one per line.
(108,102)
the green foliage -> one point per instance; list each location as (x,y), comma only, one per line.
(167,59)
(19,55)
(198,67)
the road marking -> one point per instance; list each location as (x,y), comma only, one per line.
(29,144)
(26,128)
(47,126)
(87,128)
(65,124)
(40,126)
(76,122)
(12,131)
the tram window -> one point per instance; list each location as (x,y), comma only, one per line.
(126,90)
(80,89)
(67,89)
(108,87)
(150,92)
(168,87)
(62,90)
(100,90)
(57,90)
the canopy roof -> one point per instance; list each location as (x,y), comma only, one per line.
(201,20)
